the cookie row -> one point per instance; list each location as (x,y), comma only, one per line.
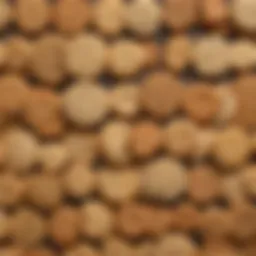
(141,17)
(67,225)
(164,178)
(51,58)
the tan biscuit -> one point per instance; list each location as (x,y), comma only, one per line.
(175,244)
(78,181)
(32,16)
(232,147)
(44,191)
(21,150)
(181,138)
(86,55)
(12,190)
(126,57)
(114,142)
(118,186)
(47,60)
(18,53)
(97,220)
(27,227)
(180,14)
(108,16)
(124,100)
(178,53)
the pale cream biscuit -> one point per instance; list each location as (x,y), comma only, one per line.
(164,179)
(114,142)
(243,14)
(85,104)
(124,100)
(142,16)
(210,55)
(86,55)
(126,57)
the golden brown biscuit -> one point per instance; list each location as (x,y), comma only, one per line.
(64,226)
(70,16)
(160,94)
(178,50)
(200,102)
(145,139)
(42,112)
(203,184)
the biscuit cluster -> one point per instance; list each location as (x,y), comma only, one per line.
(127,128)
